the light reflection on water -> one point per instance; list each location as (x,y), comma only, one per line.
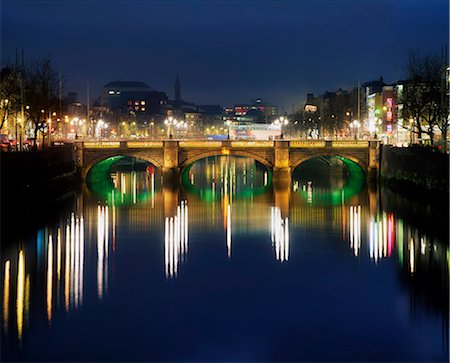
(66,260)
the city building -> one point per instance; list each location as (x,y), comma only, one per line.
(136,98)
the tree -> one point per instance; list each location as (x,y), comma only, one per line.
(10,93)
(40,95)
(423,94)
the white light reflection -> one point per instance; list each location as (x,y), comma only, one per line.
(74,263)
(102,250)
(411,256)
(355,229)
(381,236)
(280,235)
(67,270)
(310,196)
(175,240)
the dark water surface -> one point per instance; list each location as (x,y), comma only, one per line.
(228,267)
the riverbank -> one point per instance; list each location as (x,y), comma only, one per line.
(35,188)
(415,170)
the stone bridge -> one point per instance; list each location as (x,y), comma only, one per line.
(280,156)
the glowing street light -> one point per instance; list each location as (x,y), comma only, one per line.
(279,123)
(229,122)
(355,125)
(169,122)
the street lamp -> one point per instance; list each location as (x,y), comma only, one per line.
(279,123)
(169,122)
(229,122)
(355,125)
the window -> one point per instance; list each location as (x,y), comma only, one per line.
(143,103)
(111,92)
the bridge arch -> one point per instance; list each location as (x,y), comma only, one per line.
(190,160)
(138,155)
(362,164)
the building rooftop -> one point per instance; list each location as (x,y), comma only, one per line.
(127,84)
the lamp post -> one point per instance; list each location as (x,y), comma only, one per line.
(355,125)
(228,125)
(169,122)
(280,122)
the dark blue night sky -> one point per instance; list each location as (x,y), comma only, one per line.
(225,52)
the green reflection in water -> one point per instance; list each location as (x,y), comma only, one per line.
(240,191)
(354,184)
(100,183)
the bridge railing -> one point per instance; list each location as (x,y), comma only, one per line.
(149,144)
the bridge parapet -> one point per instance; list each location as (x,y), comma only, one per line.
(200,144)
(306,143)
(144,144)
(350,143)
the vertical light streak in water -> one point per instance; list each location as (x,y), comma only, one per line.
(229,231)
(171,247)
(351,227)
(67,270)
(106,248)
(186,225)
(310,196)
(134,187)
(181,221)
(152,182)
(286,239)
(81,257)
(72,257)
(20,294)
(385,233)
(77,263)
(49,278)
(423,246)
(355,229)
(280,235)
(390,234)
(380,238)
(166,246)
(371,237)
(175,240)
(400,236)
(114,222)
(58,253)
(411,256)
(100,253)
(27,298)
(6,295)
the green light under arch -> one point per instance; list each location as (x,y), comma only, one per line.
(355,182)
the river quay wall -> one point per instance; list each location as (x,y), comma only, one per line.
(414,167)
(36,169)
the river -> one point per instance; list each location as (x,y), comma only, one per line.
(226,266)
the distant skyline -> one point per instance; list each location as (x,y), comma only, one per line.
(224,52)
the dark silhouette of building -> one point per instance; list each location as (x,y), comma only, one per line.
(135,98)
